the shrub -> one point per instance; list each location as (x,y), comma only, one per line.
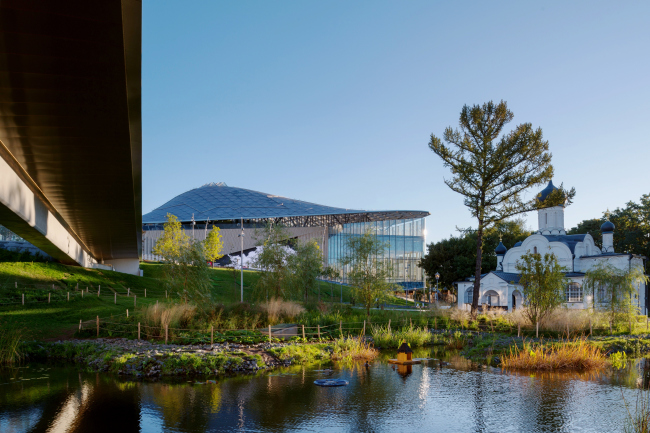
(351,348)
(10,346)
(389,338)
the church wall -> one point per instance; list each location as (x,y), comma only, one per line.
(560,250)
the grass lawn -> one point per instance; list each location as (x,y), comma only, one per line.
(41,320)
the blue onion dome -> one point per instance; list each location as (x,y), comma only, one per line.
(607,227)
(501,249)
(546,191)
(518,244)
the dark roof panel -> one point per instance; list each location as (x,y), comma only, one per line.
(217,201)
(569,240)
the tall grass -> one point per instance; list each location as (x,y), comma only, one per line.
(639,421)
(353,348)
(566,355)
(383,336)
(277,309)
(10,341)
(159,316)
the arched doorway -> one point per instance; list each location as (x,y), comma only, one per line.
(516,300)
(491,298)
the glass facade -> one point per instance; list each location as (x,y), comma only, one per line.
(405,243)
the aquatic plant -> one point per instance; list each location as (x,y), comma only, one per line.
(618,360)
(277,308)
(10,346)
(383,336)
(577,354)
(639,421)
(351,348)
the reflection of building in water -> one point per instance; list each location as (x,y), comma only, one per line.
(500,288)
(404,370)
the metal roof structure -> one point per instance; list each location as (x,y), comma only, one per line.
(219,202)
(70,116)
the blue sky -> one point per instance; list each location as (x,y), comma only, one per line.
(333,102)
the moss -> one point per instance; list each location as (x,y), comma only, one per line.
(304,354)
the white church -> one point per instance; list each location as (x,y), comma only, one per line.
(576,253)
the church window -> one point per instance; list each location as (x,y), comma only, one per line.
(535,250)
(601,294)
(574,292)
(469,295)
(546,215)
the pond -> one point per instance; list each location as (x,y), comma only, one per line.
(457,397)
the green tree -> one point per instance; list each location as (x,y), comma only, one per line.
(213,245)
(173,241)
(273,260)
(543,284)
(591,227)
(454,258)
(492,171)
(306,265)
(613,289)
(368,275)
(186,272)
(331,274)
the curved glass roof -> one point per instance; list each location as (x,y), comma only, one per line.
(217,201)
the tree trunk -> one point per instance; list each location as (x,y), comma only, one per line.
(477,271)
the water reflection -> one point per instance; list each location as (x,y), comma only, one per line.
(459,397)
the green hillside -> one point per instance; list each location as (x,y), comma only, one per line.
(60,317)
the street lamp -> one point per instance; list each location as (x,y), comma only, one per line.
(437,278)
(241,259)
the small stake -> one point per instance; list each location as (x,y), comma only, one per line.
(127,313)
(318,331)
(48,298)
(99,289)
(537,330)
(16,284)
(610,327)
(115,295)
(590,329)
(52,286)
(23,299)
(519,330)
(165,294)
(79,325)
(270,333)
(138,330)
(68,296)
(568,334)
(98,326)
(128,292)
(364,328)
(145,293)
(135,300)
(389,325)
(82,293)
(166,333)
(340,327)
(212,335)
(303,332)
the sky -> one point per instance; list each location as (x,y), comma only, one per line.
(334,102)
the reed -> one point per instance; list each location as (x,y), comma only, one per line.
(567,355)
(277,308)
(639,421)
(392,338)
(10,342)
(353,349)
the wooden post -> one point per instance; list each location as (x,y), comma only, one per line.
(211,335)
(128,292)
(647,319)
(519,330)
(410,321)
(79,325)
(610,327)
(145,293)
(341,327)
(165,294)
(389,325)
(82,294)
(52,286)
(127,313)
(590,329)
(98,326)
(568,333)
(435,323)
(166,332)
(48,298)
(364,328)
(68,296)
(270,333)
(318,331)
(135,301)
(138,331)
(23,299)
(303,332)
(631,327)
(115,294)
(16,284)
(537,330)
(99,289)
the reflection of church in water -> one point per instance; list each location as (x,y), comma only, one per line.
(576,253)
